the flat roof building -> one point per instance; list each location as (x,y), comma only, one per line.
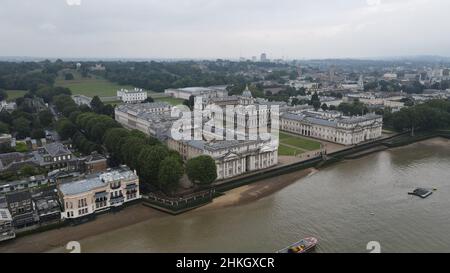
(98,193)
(207,92)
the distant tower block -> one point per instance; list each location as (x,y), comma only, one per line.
(361,83)
(263,57)
(332,72)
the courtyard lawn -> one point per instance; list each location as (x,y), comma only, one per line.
(299,142)
(289,151)
(14,94)
(170,100)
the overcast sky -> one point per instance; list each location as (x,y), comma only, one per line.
(224,28)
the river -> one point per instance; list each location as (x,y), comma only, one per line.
(345,206)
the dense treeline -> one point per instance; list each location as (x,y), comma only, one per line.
(158,76)
(28,120)
(414,87)
(428,116)
(28,75)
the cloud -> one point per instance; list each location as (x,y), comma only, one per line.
(373,2)
(224,28)
(47,27)
(73,2)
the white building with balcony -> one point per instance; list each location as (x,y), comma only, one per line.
(99,193)
(132,96)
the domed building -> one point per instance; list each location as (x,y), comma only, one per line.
(246,98)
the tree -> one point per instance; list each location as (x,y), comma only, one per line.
(149,160)
(324,107)
(22,127)
(6,117)
(315,101)
(37,133)
(112,140)
(170,172)
(4,128)
(45,118)
(190,103)
(28,171)
(65,128)
(68,76)
(130,151)
(108,110)
(201,170)
(149,99)
(97,105)
(3,95)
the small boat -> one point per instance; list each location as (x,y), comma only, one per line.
(423,193)
(302,246)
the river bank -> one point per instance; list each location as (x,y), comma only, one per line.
(138,213)
(255,191)
(135,214)
(344,205)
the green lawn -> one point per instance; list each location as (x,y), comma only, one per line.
(14,94)
(113,103)
(90,87)
(21,147)
(285,150)
(171,101)
(299,142)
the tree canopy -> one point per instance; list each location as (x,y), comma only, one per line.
(201,170)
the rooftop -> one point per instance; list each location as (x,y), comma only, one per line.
(198,89)
(142,107)
(135,90)
(18,196)
(5,215)
(333,121)
(56,149)
(77,187)
(85,185)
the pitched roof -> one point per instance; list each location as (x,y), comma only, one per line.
(56,149)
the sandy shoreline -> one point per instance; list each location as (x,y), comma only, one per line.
(252,192)
(45,241)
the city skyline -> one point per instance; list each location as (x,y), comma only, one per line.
(224,29)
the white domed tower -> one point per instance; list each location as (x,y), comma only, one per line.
(246,98)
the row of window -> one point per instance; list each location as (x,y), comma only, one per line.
(60,158)
(83,211)
(82,203)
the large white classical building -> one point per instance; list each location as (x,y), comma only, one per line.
(150,118)
(207,92)
(242,153)
(132,96)
(232,157)
(99,193)
(333,126)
